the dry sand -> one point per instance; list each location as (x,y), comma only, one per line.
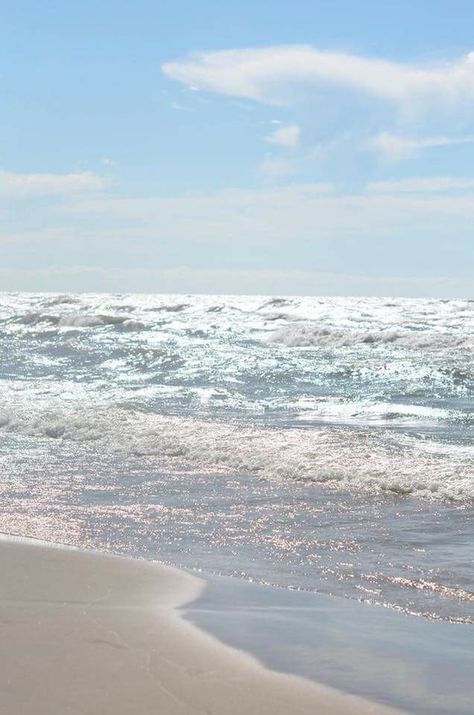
(88,634)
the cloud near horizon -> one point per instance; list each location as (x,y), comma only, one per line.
(422,185)
(186,280)
(286,237)
(14,185)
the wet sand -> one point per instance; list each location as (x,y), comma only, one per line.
(89,634)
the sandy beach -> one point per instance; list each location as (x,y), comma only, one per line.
(87,633)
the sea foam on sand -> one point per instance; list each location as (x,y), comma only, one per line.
(86,633)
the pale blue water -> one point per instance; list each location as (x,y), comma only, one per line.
(419,666)
(322,444)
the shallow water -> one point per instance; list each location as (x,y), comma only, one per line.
(421,667)
(322,444)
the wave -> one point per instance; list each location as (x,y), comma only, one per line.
(421,584)
(310,335)
(79,320)
(334,457)
(276,303)
(63,300)
(369,412)
(171,308)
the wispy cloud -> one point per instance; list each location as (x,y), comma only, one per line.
(395,147)
(270,74)
(415,185)
(280,213)
(274,168)
(17,185)
(286,136)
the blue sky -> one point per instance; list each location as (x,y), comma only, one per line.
(303,147)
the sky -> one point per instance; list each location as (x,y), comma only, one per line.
(302,147)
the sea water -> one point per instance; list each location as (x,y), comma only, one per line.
(319,444)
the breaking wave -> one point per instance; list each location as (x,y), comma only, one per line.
(318,336)
(353,460)
(79,320)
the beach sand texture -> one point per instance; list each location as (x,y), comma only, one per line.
(85,633)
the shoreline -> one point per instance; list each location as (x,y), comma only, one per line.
(89,633)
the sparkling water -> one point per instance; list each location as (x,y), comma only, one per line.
(314,443)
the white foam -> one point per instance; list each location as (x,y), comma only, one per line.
(76,382)
(310,335)
(79,320)
(360,460)
(366,411)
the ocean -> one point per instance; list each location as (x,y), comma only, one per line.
(314,444)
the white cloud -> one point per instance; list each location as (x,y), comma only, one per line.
(393,146)
(16,185)
(269,75)
(286,136)
(422,185)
